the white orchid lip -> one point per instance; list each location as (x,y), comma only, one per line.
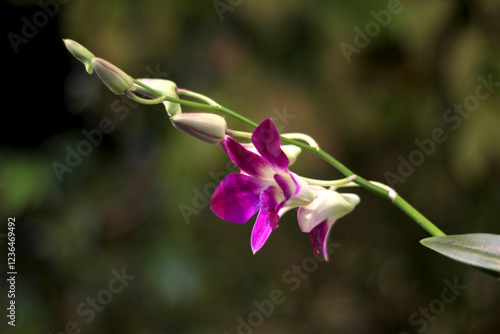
(329,205)
(318,217)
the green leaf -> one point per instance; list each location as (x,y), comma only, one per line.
(479,250)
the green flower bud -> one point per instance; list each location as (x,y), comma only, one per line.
(118,81)
(80,53)
(165,87)
(209,128)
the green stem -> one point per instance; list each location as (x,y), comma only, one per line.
(377,188)
(198,96)
(138,99)
(328,183)
(418,217)
(240,134)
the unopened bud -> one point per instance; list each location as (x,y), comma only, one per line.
(80,53)
(209,128)
(165,87)
(118,81)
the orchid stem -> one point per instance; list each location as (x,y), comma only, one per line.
(311,146)
(329,183)
(198,96)
(141,100)
(241,134)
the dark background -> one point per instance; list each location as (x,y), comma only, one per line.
(118,210)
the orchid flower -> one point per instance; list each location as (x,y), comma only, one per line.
(265,184)
(319,216)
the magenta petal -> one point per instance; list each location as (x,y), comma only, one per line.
(223,143)
(249,162)
(297,185)
(261,231)
(319,237)
(237,198)
(266,140)
(314,240)
(269,198)
(286,185)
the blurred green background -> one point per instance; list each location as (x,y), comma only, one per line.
(117,210)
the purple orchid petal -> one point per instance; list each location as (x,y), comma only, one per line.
(269,198)
(261,231)
(237,198)
(286,185)
(319,237)
(223,143)
(249,162)
(314,240)
(267,142)
(323,233)
(297,185)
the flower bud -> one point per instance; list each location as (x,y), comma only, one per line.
(118,81)
(209,128)
(80,53)
(165,87)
